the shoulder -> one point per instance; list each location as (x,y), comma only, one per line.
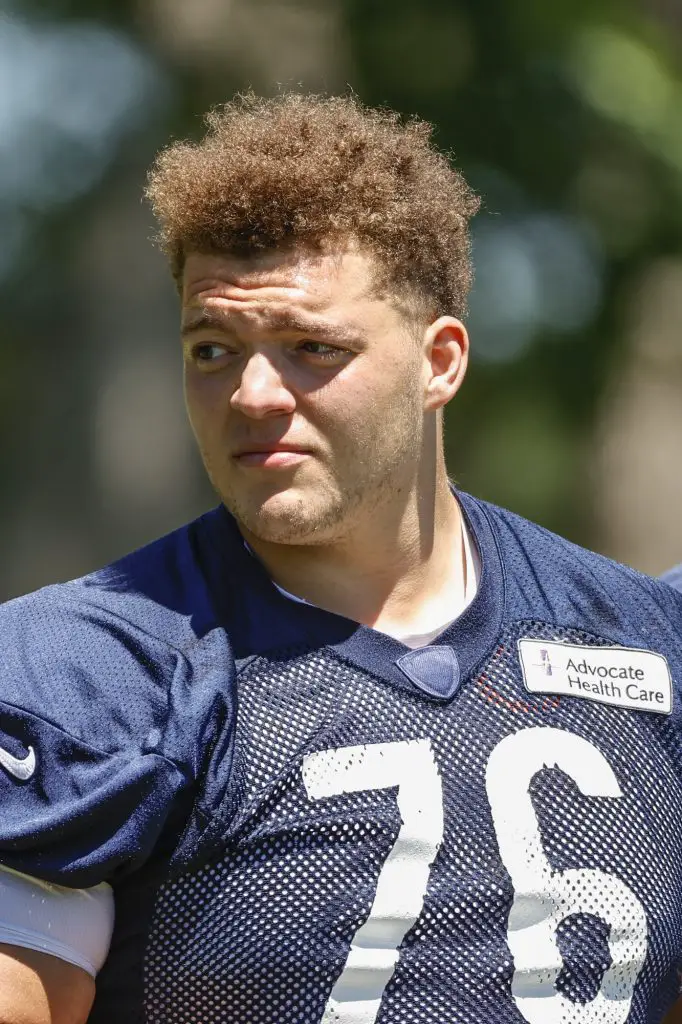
(162,588)
(572,586)
(115,690)
(105,657)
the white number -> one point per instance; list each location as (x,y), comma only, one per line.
(543,897)
(410,766)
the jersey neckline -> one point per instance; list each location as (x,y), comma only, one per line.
(260,620)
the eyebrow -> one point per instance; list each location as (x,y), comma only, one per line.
(277,321)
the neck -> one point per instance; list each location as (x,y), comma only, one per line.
(395,571)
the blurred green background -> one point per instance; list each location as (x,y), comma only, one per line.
(565,116)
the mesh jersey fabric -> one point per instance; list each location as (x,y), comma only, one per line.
(330,837)
(380,851)
(263,931)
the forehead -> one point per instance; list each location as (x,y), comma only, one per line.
(312,281)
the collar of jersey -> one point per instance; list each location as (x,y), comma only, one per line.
(471,574)
(260,620)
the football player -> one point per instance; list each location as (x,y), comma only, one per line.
(674,576)
(355,746)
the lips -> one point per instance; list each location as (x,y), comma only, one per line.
(271,456)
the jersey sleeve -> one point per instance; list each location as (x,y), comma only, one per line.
(86,781)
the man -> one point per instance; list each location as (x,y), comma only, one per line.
(352,747)
(674,576)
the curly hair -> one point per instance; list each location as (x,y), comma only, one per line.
(307,169)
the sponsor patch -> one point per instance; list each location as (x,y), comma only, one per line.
(623,677)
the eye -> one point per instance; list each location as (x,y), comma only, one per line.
(322,351)
(207,352)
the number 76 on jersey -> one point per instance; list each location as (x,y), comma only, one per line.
(543,897)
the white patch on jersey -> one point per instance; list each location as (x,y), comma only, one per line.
(544,897)
(623,677)
(410,767)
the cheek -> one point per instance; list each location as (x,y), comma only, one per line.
(383,387)
(365,411)
(343,409)
(206,401)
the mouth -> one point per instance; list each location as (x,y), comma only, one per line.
(276,456)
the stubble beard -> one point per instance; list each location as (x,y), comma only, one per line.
(331,509)
(318,514)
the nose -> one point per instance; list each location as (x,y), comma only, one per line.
(261,391)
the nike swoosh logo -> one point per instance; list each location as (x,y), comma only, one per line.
(20,767)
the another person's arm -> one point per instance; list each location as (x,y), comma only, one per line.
(674,1016)
(674,576)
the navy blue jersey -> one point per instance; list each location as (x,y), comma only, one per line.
(674,576)
(305,821)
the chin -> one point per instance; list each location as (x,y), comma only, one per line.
(283,518)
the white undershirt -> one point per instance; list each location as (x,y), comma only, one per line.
(472,575)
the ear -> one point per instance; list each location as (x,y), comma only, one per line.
(446,351)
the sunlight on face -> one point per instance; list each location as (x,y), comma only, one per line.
(304,388)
